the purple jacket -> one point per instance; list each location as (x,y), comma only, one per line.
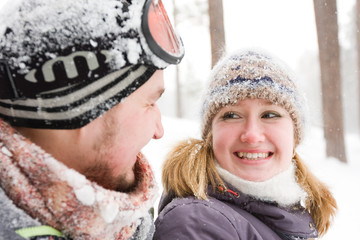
(230,215)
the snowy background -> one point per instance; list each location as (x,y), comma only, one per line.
(286,29)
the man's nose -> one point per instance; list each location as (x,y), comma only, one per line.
(159,129)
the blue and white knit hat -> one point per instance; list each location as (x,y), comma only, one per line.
(65,63)
(253,75)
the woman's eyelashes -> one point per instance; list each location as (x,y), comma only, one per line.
(265,115)
(270,114)
(230,115)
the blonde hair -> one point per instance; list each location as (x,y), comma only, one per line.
(320,202)
(190,167)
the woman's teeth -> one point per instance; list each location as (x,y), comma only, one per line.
(252,156)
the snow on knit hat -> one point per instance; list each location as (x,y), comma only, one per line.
(65,63)
(253,75)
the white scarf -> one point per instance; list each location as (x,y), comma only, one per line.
(282,188)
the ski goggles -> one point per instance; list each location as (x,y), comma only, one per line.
(159,33)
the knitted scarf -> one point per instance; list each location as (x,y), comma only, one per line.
(281,188)
(63,198)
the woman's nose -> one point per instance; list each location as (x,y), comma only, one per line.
(252,132)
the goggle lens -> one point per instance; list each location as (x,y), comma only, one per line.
(162,34)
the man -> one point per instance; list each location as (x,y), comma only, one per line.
(79,82)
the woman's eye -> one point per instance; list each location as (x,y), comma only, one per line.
(230,115)
(270,115)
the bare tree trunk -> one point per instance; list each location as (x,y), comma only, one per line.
(358,50)
(217,32)
(179,113)
(329,54)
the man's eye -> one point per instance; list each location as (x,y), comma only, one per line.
(230,115)
(270,115)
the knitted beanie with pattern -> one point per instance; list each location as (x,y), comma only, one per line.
(253,75)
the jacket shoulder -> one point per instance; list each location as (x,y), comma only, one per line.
(191,218)
(13,218)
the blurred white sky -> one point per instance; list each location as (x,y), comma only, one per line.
(282,27)
(286,28)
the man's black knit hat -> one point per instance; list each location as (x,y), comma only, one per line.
(64,63)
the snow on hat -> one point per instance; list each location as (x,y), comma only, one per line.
(253,75)
(64,63)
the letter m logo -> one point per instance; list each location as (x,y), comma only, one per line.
(69,64)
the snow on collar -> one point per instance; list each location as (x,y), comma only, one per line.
(63,198)
(282,188)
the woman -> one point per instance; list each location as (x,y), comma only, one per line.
(243,179)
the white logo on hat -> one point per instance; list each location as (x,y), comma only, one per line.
(69,64)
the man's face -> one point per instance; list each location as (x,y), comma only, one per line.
(108,146)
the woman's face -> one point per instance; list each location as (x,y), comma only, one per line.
(253,139)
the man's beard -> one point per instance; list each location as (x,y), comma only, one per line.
(101,174)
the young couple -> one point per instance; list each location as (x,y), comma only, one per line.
(79,86)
